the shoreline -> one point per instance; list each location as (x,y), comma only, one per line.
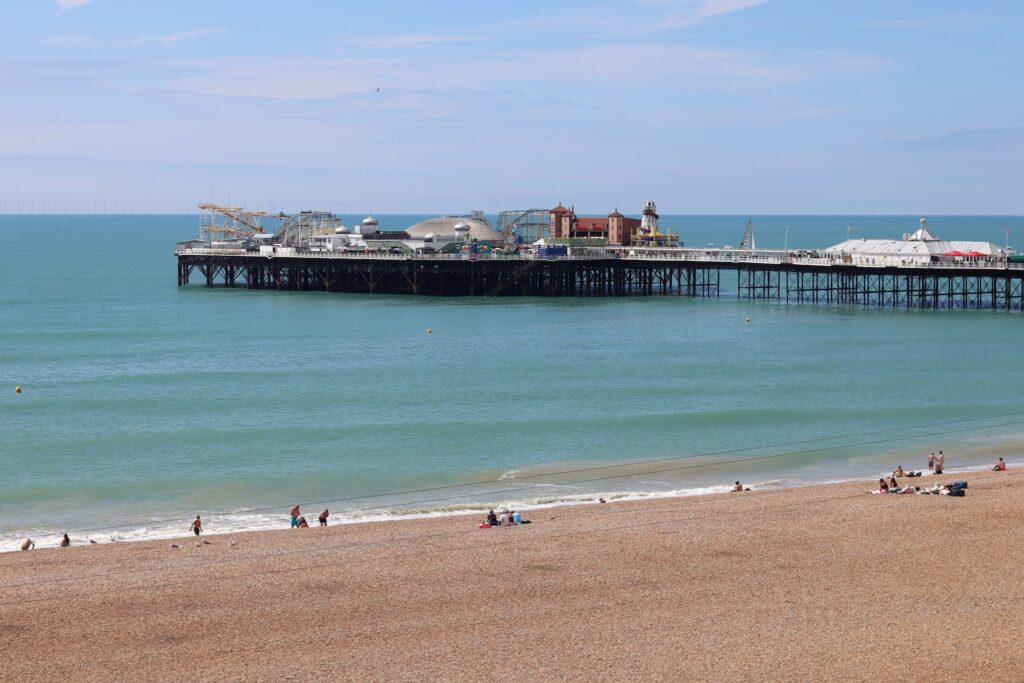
(718,587)
(271,521)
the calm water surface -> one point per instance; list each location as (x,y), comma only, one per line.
(144,403)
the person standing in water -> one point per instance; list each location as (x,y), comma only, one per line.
(295,517)
(323,517)
(197,526)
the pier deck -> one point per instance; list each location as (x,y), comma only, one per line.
(767,274)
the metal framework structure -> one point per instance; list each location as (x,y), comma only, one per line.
(296,229)
(524,226)
(218,222)
(993,288)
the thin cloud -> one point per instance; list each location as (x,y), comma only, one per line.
(68,5)
(179,36)
(67,40)
(952,21)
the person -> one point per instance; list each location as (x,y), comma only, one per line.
(516,517)
(492,518)
(28,544)
(303,524)
(893,484)
(882,486)
(931,460)
(737,487)
(1000,466)
(602,501)
(898,472)
(940,460)
(503,520)
(323,517)
(295,517)
(197,526)
(65,542)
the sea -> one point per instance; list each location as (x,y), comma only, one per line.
(143,404)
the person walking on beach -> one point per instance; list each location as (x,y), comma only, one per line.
(65,542)
(295,517)
(323,517)
(197,526)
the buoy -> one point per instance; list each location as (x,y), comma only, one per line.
(430,331)
(17,390)
(747,320)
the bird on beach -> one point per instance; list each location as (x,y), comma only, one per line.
(92,541)
(233,544)
(175,545)
(205,542)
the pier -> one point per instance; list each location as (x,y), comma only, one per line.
(801,276)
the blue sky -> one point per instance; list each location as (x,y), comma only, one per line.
(706,106)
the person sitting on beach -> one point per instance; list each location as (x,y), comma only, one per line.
(65,542)
(197,526)
(898,472)
(882,486)
(303,524)
(28,544)
(737,487)
(503,520)
(323,517)
(1000,466)
(492,518)
(516,517)
(295,516)
(893,484)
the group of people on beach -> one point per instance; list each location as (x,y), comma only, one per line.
(298,521)
(507,518)
(29,544)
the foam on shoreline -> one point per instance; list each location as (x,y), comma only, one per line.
(228,522)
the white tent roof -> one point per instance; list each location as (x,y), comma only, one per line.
(921,244)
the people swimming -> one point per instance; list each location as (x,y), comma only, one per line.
(1000,466)
(197,526)
(65,542)
(295,516)
(323,517)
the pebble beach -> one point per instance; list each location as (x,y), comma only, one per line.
(812,583)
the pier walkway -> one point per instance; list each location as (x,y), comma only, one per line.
(801,276)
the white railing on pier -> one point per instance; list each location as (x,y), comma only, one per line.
(711,257)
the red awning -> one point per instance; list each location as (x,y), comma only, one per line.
(954,253)
(975,253)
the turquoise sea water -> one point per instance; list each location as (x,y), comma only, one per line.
(144,404)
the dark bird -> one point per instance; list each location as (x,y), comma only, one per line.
(378,89)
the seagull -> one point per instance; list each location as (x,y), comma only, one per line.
(91,541)
(378,89)
(205,542)
(175,545)
(234,543)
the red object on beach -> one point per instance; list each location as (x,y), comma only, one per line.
(484,525)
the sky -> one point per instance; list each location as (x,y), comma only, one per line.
(705,106)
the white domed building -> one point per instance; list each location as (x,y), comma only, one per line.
(448,228)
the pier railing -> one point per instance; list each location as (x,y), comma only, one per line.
(703,256)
